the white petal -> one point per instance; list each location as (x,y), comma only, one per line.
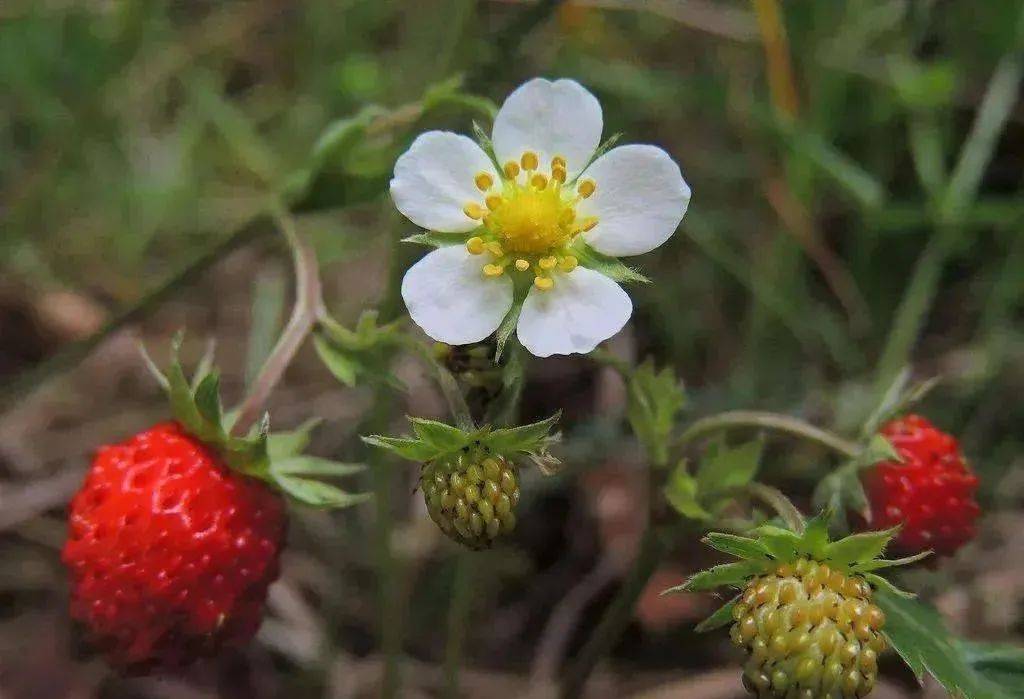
(434,180)
(449,297)
(549,118)
(583,309)
(640,199)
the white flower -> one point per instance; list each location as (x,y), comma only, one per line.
(529,223)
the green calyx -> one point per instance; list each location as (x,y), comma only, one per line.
(770,546)
(437,441)
(275,458)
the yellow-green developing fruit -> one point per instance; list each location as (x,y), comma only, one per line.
(811,633)
(472,498)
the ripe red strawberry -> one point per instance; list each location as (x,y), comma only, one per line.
(171,552)
(931,493)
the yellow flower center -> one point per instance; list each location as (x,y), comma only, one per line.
(530,224)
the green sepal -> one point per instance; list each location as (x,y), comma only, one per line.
(861,549)
(721,617)
(610,267)
(739,546)
(433,239)
(728,574)
(363,353)
(437,440)
(881,563)
(655,399)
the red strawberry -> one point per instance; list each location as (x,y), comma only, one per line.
(171,552)
(931,493)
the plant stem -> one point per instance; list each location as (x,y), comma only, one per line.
(458,614)
(768,421)
(308,302)
(617,616)
(782,505)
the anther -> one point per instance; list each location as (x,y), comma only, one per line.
(522,265)
(588,224)
(569,263)
(494,247)
(483,181)
(474,211)
(493,270)
(475,245)
(543,283)
(558,162)
(539,181)
(547,263)
(529,161)
(568,216)
(558,174)
(494,201)
(586,188)
(511,169)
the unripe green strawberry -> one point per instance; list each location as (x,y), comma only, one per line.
(472,497)
(810,631)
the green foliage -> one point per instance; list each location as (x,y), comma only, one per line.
(655,400)
(723,470)
(362,354)
(610,267)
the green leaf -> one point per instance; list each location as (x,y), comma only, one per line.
(441,436)
(999,664)
(655,399)
(733,574)
(881,563)
(317,493)
(344,368)
(725,468)
(525,438)
(916,631)
(281,445)
(314,466)
(722,617)
(681,494)
(860,548)
(433,239)
(739,546)
(407,448)
(610,267)
(207,399)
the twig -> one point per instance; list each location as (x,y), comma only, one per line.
(308,302)
(767,421)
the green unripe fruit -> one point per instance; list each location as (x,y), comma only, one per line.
(472,497)
(810,631)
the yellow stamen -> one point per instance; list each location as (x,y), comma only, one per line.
(511,169)
(473,210)
(493,201)
(475,245)
(558,174)
(494,248)
(494,270)
(558,162)
(568,216)
(483,181)
(569,263)
(522,265)
(547,263)
(529,161)
(539,181)
(588,224)
(586,188)
(543,283)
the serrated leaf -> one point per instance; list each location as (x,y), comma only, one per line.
(655,399)
(433,239)
(314,466)
(721,617)
(917,633)
(525,438)
(317,493)
(681,493)
(441,436)
(739,546)
(281,445)
(733,574)
(999,664)
(724,468)
(611,267)
(860,548)
(407,448)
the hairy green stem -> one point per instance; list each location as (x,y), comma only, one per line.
(458,616)
(776,499)
(767,421)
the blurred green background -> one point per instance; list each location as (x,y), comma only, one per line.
(857,208)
